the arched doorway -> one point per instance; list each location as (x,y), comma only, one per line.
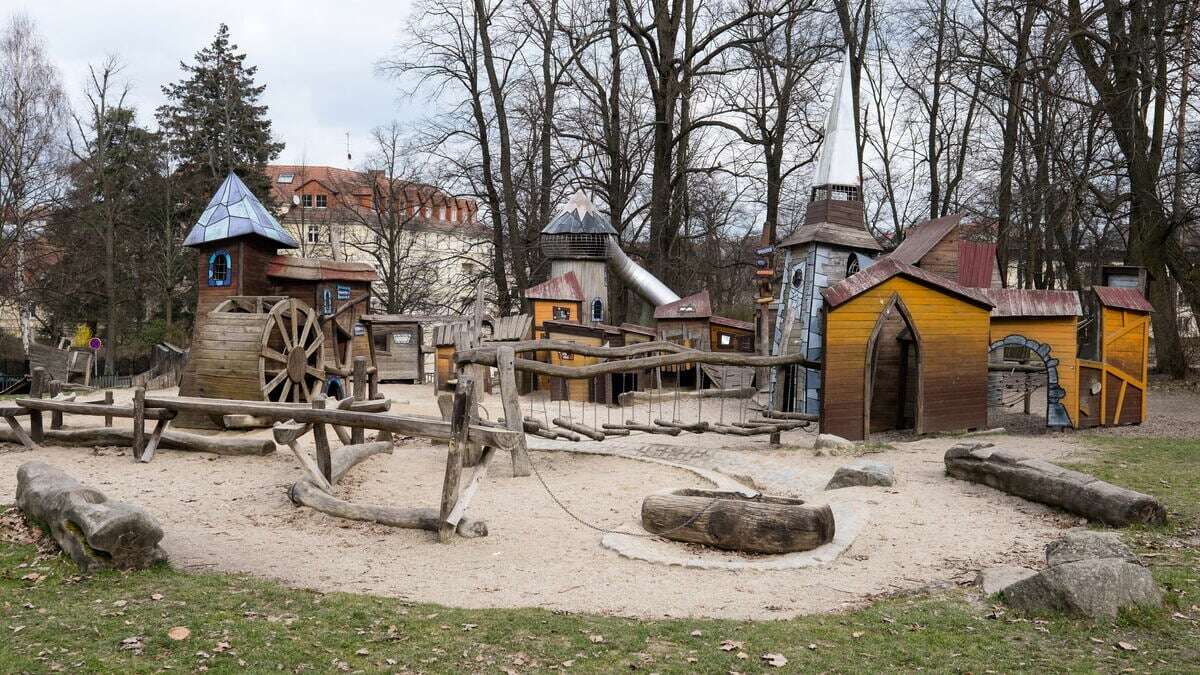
(1027,379)
(893,381)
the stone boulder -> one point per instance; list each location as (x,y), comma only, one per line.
(1082,544)
(1098,587)
(863,473)
(996,579)
(1090,574)
(831,442)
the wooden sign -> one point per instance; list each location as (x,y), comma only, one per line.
(764,273)
(762,263)
(764,250)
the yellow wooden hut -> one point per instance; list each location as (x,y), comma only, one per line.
(905,348)
(1113,376)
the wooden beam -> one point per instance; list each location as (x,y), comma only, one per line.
(454,456)
(139,422)
(95,409)
(509,398)
(155,437)
(321,440)
(20,434)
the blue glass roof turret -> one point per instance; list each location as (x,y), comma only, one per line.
(234,211)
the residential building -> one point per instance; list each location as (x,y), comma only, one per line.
(432,240)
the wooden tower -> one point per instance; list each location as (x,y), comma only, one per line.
(576,242)
(832,243)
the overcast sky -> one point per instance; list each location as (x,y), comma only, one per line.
(317,58)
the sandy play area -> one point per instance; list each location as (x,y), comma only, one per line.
(233,514)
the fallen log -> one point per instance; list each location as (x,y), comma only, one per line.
(349,456)
(98,533)
(736,522)
(741,431)
(304,493)
(695,428)
(775,414)
(1040,481)
(246,422)
(657,395)
(579,428)
(171,440)
(786,425)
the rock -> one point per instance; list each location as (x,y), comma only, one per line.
(1081,544)
(997,579)
(98,533)
(831,442)
(1098,587)
(862,473)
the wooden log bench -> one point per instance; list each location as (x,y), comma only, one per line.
(748,522)
(1040,481)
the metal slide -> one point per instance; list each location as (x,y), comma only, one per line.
(637,277)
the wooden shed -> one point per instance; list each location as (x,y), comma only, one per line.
(1040,327)
(556,299)
(396,346)
(685,321)
(730,335)
(905,348)
(446,338)
(1113,377)
(597,389)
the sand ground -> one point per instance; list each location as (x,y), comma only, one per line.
(233,514)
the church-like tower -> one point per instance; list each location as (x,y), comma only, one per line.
(832,243)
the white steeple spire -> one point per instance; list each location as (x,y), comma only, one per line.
(838,162)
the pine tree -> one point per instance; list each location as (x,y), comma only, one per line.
(213,124)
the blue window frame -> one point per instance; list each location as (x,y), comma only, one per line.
(220,269)
(327,302)
(597,310)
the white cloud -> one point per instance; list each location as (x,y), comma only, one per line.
(316,58)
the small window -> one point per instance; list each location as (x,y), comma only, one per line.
(797,277)
(561,313)
(382,343)
(313,235)
(686,309)
(322,201)
(220,269)
(285,178)
(597,309)
(852,266)
(327,301)
(306,201)
(725,339)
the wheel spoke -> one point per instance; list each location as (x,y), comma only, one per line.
(268,387)
(308,323)
(287,389)
(315,372)
(295,328)
(283,332)
(274,355)
(296,394)
(312,349)
(303,390)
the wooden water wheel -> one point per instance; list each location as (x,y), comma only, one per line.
(260,348)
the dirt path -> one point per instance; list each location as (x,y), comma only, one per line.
(232,514)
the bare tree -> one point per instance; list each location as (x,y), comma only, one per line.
(32,107)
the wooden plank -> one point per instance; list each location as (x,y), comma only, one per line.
(139,422)
(321,440)
(358,434)
(505,358)
(94,409)
(159,427)
(454,456)
(23,437)
(468,491)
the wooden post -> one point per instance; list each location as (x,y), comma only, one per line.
(505,359)
(478,374)
(321,438)
(357,434)
(373,384)
(37,386)
(139,422)
(56,418)
(108,400)
(454,456)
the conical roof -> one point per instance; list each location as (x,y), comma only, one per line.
(234,211)
(837,163)
(579,216)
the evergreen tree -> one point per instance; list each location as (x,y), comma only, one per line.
(213,123)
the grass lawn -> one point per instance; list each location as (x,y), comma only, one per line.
(53,620)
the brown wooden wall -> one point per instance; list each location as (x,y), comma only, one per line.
(398,361)
(1125,353)
(576,390)
(543,311)
(740,337)
(942,259)
(952,337)
(1060,333)
(248,257)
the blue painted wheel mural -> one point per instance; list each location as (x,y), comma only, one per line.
(1056,412)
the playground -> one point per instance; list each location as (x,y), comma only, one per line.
(223,513)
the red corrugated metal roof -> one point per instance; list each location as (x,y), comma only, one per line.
(921,239)
(732,323)
(1032,302)
(697,305)
(1123,298)
(313,269)
(887,268)
(976,261)
(563,287)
